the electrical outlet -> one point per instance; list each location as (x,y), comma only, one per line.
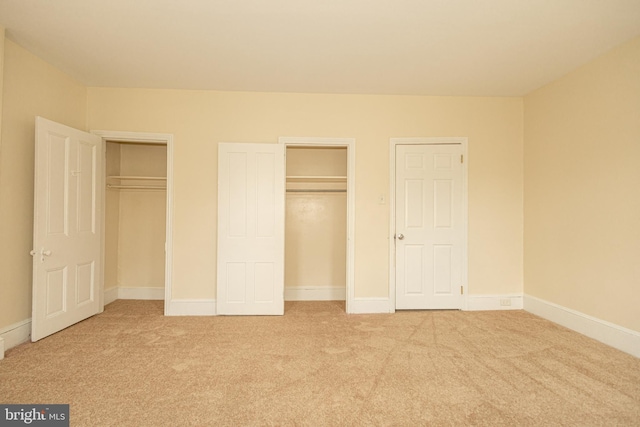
(505,302)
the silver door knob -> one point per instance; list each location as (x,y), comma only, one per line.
(400,236)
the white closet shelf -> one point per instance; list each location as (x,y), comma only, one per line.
(161,185)
(313,184)
(141,178)
(316,178)
(136,187)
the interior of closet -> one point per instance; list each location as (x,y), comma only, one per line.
(135,219)
(316,223)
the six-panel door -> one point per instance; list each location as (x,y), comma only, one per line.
(67,227)
(429,229)
(251,194)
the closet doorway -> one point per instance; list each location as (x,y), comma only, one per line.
(137,216)
(318,219)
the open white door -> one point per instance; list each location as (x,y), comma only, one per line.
(67,260)
(429,226)
(251,190)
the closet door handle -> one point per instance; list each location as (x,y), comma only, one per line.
(42,253)
(400,236)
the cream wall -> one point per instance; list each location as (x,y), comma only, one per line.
(135,219)
(315,240)
(142,218)
(582,189)
(201,119)
(32,88)
(316,161)
(2,31)
(315,222)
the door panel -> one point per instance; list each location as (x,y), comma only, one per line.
(429,229)
(86,182)
(86,283)
(56,191)
(67,230)
(250,229)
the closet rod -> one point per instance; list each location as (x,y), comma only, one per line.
(315,190)
(138,178)
(137,187)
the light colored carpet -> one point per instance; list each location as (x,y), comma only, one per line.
(316,365)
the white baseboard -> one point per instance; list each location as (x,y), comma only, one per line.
(369,306)
(141,293)
(1,348)
(15,334)
(608,333)
(110,295)
(315,293)
(190,307)
(494,302)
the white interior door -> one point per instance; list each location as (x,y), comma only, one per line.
(429,229)
(251,191)
(67,260)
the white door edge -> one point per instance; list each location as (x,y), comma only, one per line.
(146,138)
(350,145)
(393,142)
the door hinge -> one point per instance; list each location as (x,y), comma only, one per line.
(461,290)
(461,158)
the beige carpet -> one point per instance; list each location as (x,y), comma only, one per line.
(316,366)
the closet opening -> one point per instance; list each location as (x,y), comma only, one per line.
(316,223)
(135,219)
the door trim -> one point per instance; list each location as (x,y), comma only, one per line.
(145,138)
(393,142)
(350,144)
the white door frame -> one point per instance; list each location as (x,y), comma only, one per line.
(463,141)
(350,145)
(145,138)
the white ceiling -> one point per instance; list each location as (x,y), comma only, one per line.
(415,47)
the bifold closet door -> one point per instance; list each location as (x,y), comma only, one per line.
(251,191)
